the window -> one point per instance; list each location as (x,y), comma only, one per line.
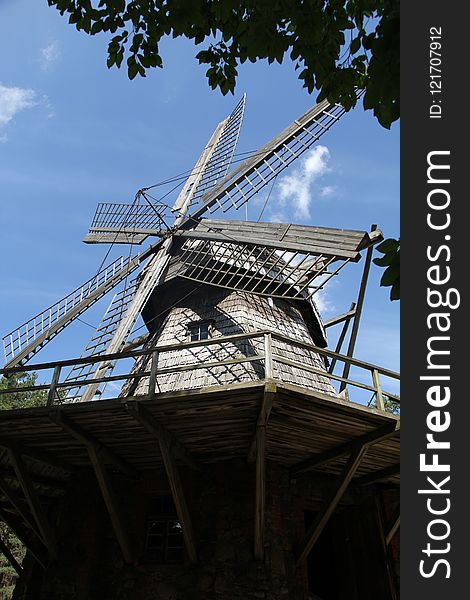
(199,331)
(164,534)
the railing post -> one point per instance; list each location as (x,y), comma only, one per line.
(268,356)
(378,390)
(153,374)
(54,382)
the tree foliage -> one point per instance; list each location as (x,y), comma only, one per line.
(336,45)
(8,575)
(20,399)
(391,261)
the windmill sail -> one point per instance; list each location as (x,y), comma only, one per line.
(269,259)
(252,175)
(125,223)
(131,224)
(24,342)
(102,335)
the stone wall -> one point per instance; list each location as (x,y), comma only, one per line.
(221,503)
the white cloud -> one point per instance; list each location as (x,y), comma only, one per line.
(13,100)
(49,55)
(328,190)
(295,188)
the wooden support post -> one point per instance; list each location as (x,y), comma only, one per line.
(5,550)
(258,453)
(263,416)
(357,316)
(373,437)
(111,503)
(36,507)
(260,491)
(153,375)
(54,382)
(148,421)
(19,505)
(89,440)
(178,498)
(334,498)
(379,398)
(392,527)
(268,356)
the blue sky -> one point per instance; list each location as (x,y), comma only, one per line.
(73,134)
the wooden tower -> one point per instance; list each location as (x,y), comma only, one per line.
(219,455)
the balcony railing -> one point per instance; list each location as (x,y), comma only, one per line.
(368,379)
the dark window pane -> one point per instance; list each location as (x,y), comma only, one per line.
(164,535)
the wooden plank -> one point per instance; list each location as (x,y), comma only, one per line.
(5,550)
(89,440)
(35,505)
(337,252)
(111,502)
(143,416)
(330,505)
(178,498)
(372,437)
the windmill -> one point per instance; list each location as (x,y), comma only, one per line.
(278,260)
(227,414)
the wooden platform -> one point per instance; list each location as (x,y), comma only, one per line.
(212,424)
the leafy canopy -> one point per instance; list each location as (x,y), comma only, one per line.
(20,399)
(336,45)
(391,261)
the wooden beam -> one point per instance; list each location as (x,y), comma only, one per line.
(330,505)
(263,415)
(341,338)
(35,505)
(378,475)
(260,491)
(258,453)
(112,505)
(340,318)
(14,524)
(148,421)
(86,438)
(178,497)
(5,550)
(357,316)
(370,438)
(392,527)
(19,505)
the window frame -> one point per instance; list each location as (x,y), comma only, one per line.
(202,323)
